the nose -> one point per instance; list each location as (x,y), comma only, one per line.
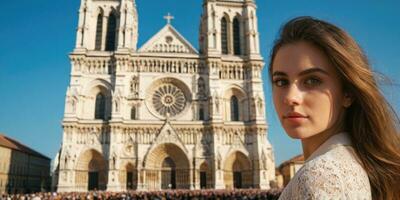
(293,96)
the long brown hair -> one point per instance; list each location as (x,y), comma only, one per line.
(371,122)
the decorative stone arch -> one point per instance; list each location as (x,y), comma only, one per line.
(154,169)
(90,88)
(99,10)
(227,17)
(95,87)
(91,171)
(108,10)
(238,171)
(240,94)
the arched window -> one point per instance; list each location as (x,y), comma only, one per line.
(236,36)
(100,107)
(224,35)
(111,32)
(99,32)
(133,113)
(234,109)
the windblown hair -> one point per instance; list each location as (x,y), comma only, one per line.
(371,122)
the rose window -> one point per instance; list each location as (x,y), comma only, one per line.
(168,100)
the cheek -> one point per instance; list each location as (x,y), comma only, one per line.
(323,108)
(278,102)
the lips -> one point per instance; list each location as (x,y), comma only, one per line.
(295,117)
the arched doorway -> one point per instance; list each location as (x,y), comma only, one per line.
(237,171)
(128,177)
(237,174)
(168,174)
(91,171)
(205,175)
(167,166)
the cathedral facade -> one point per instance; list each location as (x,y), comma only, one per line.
(165,115)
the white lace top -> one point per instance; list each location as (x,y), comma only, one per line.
(333,171)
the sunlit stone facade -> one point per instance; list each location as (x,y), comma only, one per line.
(22,169)
(165,115)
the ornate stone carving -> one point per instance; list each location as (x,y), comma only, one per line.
(129,148)
(168,40)
(168,99)
(134,87)
(260,105)
(71,101)
(263,161)
(168,96)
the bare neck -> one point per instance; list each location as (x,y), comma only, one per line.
(311,144)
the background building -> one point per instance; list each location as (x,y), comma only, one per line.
(21,168)
(165,115)
(288,169)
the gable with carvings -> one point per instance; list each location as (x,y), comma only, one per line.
(168,40)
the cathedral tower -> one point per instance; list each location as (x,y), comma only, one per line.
(107,25)
(165,115)
(229,28)
(229,44)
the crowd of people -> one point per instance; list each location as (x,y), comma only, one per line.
(242,194)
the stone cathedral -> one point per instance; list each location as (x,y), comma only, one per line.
(165,115)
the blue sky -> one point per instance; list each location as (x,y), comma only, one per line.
(38,35)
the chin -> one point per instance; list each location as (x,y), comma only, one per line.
(298,132)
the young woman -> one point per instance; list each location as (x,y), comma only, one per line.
(325,95)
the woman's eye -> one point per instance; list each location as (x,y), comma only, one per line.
(280,82)
(312,82)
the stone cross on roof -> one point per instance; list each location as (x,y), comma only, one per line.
(169,18)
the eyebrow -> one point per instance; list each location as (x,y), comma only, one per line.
(307,71)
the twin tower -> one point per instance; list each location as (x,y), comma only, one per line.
(165,115)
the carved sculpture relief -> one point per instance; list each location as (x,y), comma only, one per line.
(71,105)
(260,105)
(129,150)
(134,87)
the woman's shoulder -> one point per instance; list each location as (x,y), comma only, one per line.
(336,173)
(339,158)
(340,164)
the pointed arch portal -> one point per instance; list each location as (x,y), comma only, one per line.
(91,171)
(237,171)
(167,167)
